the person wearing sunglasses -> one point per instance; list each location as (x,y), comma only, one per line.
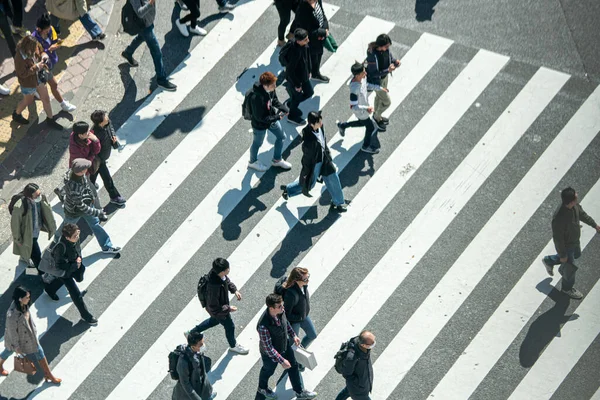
(357,368)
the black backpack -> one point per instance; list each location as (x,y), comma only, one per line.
(132,24)
(13,201)
(279,289)
(174,359)
(341,356)
(284,52)
(246,105)
(202,286)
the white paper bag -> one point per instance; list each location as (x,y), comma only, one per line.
(305,357)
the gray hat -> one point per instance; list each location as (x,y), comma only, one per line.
(80,164)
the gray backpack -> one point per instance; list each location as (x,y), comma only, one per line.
(48,263)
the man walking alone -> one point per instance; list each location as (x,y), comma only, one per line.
(357,368)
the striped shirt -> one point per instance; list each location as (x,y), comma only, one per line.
(319,15)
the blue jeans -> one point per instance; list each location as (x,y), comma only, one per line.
(90,25)
(344,394)
(38,355)
(227,324)
(94,223)
(309,329)
(259,137)
(147,35)
(332,183)
(568,278)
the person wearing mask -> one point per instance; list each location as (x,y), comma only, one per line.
(30,215)
(20,335)
(104,131)
(267,110)
(357,368)
(29,61)
(317,163)
(81,201)
(359,103)
(297,74)
(217,304)
(67,257)
(193,382)
(46,35)
(276,337)
(146,11)
(380,63)
(285,9)
(566,232)
(310,16)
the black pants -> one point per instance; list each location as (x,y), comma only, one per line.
(315,63)
(192,17)
(284,9)
(107,179)
(298,97)
(370,129)
(36,253)
(16,14)
(5,28)
(73,289)
(269,366)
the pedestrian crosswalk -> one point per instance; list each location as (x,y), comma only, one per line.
(461,180)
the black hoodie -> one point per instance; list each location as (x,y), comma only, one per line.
(264,107)
(313,153)
(297,70)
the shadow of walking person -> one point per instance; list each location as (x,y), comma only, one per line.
(424,9)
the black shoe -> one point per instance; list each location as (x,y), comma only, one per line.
(341,128)
(370,150)
(91,321)
(341,208)
(19,118)
(111,250)
(320,78)
(285,192)
(59,194)
(380,125)
(165,84)
(53,124)
(301,367)
(101,36)
(53,296)
(297,121)
(385,121)
(132,61)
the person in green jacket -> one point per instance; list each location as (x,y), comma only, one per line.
(30,215)
(566,231)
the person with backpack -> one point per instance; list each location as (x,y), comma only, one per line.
(105,133)
(359,103)
(266,110)
(190,370)
(213,291)
(353,361)
(276,337)
(30,215)
(316,164)
(380,64)
(295,57)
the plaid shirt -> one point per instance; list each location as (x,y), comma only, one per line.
(267,345)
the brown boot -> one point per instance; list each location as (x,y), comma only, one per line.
(48,377)
(3,372)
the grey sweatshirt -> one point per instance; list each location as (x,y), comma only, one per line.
(144,10)
(359,101)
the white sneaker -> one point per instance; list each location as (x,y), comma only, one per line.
(258,166)
(182,28)
(68,107)
(4,91)
(226,8)
(239,349)
(198,31)
(281,164)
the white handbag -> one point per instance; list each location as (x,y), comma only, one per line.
(305,357)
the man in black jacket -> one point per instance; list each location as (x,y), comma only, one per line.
(267,110)
(358,369)
(311,17)
(193,382)
(566,231)
(297,72)
(217,304)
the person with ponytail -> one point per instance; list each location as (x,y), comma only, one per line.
(30,215)
(20,335)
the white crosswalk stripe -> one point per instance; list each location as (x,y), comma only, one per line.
(460,86)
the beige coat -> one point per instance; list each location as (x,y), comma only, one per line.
(69,10)
(20,331)
(22,227)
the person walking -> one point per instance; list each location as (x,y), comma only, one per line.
(30,60)
(317,163)
(20,335)
(30,215)
(194,8)
(72,10)
(357,368)
(46,35)
(6,33)
(359,103)
(284,9)
(81,201)
(297,74)
(146,11)
(380,64)
(566,231)
(275,342)
(217,304)
(267,110)
(67,257)
(193,382)
(83,144)
(104,131)
(310,16)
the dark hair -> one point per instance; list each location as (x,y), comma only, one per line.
(314,117)
(383,40)
(30,189)
(273,299)
(69,230)
(98,116)
(300,34)
(43,22)
(19,293)
(357,68)
(267,78)
(80,127)
(220,264)
(194,337)
(567,195)
(27,192)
